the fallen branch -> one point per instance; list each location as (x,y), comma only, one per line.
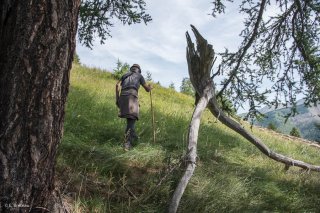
(192,149)
(200,75)
(213,106)
(200,62)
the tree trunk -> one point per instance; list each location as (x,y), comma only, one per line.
(200,62)
(37,42)
(192,151)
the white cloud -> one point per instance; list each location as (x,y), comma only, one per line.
(160,46)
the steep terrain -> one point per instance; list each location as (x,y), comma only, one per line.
(95,174)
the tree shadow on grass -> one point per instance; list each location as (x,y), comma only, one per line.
(237,187)
(89,118)
(91,162)
(91,149)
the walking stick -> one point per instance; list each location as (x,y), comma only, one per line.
(153,126)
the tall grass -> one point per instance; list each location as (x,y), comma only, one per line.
(97,175)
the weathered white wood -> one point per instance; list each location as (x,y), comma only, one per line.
(213,106)
(200,62)
(196,68)
(192,151)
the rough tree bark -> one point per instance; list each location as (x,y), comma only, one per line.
(37,43)
(200,63)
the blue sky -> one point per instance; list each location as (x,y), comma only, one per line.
(160,46)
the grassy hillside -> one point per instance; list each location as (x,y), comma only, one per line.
(96,175)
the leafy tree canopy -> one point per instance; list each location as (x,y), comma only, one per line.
(281,50)
(226,105)
(97,16)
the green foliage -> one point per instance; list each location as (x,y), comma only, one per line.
(295,132)
(282,48)
(149,76)
(120,70)
(171,86)
(272,126)
(96,17)
(218,7)
(186,87)
(227,106)
(231,174)
(76,59)
(318,127)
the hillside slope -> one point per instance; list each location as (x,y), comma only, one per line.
(305,120)
(95,174)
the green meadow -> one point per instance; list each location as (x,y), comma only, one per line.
(95,174)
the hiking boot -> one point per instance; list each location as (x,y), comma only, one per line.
(127,143)
(127,146)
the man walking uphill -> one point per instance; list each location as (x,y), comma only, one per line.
(128,102)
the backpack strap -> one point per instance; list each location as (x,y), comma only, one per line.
(126,76)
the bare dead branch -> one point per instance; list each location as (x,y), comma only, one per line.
(221,116)
(200,62)
(246,47)
(192,147)
(213,106)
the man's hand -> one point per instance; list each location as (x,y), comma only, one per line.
(148,87)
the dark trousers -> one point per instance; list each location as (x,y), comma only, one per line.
(130,130)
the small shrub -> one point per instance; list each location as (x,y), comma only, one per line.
(171,86)
(76,59)
(295,132)
(186,87)
(272,126)
(120,70)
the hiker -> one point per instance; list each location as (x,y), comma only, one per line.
(127,100)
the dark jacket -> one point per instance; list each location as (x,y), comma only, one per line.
(131,81)
(128,101)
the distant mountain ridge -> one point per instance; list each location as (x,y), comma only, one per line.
(267,109)
(305,120)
